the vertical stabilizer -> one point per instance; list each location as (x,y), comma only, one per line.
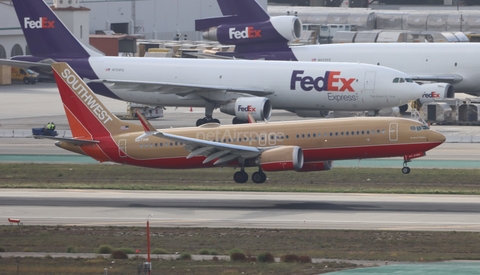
(87,116)
(46,35)
(234,12)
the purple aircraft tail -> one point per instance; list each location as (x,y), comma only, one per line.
(234,12)
(45,33)
(248,26)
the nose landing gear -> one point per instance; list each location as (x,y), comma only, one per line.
(406,169)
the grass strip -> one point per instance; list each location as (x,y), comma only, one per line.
(354,180)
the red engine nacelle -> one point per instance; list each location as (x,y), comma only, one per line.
(281,159)
(316,166)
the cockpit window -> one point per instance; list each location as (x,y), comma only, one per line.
(402,80)
(419,128)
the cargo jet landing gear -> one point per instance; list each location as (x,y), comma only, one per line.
(206,119)
(209,106)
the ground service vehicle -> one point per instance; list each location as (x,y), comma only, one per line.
(26,76)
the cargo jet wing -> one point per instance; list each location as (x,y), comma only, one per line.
(24,64)
(176,88)
(449,78)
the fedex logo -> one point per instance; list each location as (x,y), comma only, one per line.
(329,82)
(248,108)
(42,23)
(249,32)
(431,95)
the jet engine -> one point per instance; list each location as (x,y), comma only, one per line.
(290,27)
(278,29)
(281,159)
(436,91)
(316,166)
(259,107)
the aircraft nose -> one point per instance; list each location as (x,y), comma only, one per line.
(417,91)
(437,137)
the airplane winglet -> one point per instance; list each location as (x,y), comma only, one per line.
(250,118)
(146,125)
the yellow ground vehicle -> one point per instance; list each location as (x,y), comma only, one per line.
(25,75)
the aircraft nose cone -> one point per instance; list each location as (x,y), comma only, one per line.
(435,136)
(417,91)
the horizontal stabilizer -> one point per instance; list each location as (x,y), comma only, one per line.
(73,141)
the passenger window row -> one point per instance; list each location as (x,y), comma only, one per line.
(281,137)
(343,133)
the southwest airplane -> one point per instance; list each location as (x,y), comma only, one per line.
(298,145)
(235,86)
(256,35)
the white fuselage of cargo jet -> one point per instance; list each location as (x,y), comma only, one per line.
(455,63)
(288,85)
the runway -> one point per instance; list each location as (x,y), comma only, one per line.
(239,209)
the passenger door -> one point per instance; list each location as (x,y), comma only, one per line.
(393,131)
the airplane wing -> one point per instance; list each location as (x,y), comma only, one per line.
(176,88)
(223,152)
(23,64)
(449,78)
(210,56)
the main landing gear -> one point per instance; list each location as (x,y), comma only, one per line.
(205,120)
(209,107)
(406,169)
(242,176)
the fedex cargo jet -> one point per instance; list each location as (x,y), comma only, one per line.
(279,146)
(454,66)
(235,86)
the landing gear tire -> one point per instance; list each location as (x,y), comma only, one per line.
(205,120)
(236,120)
(259,177)
(406,170)
(240,177)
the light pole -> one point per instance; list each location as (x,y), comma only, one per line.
(148,244)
